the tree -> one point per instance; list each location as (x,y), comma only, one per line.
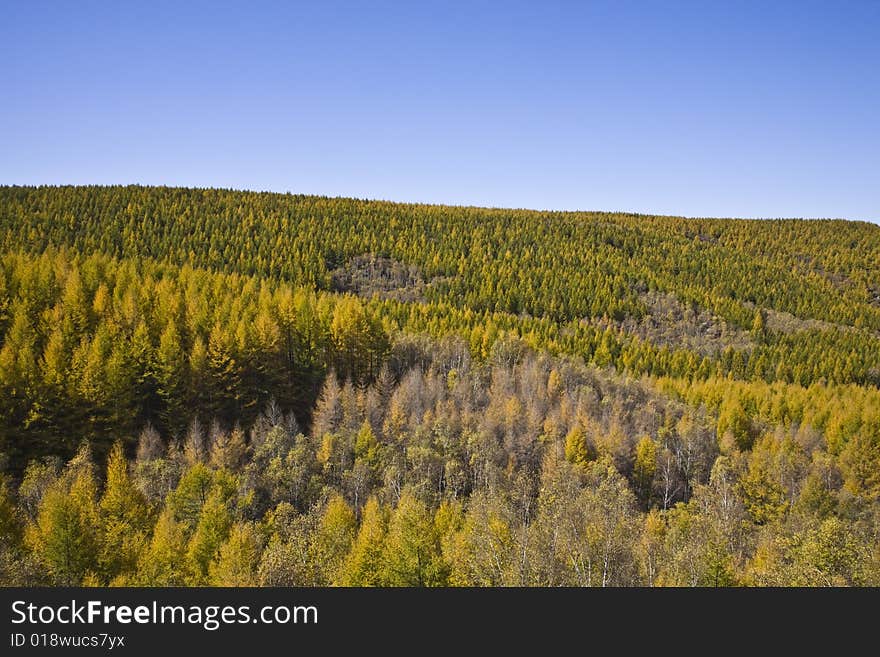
(236,564)
(364,564)
(39,477)
(283,469)
(735,425)
(229,450)
(825,553)
(288,559)
(17,566)
(328,412)
(644,469)
(66,536)
(161,564)
(215,521)
(359,341)
(333,538)
(171,374)
(412,549)
(224,383)
(191,494)
(125,519)
(651,547)
(150,446)
(758,325)
(478,545)
(577,450)
(366,446)
(763,497)
(195,445)
(861,460)
(698,555)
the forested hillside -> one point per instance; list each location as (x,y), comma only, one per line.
(221,387)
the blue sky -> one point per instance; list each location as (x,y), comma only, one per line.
(695,108)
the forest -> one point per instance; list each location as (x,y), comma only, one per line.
(214,387)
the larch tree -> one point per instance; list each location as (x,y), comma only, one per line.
(238,559)
(66,535)
(125,518)
(333,538)
(412,555)
(212,530)
(364,564)
(161,562)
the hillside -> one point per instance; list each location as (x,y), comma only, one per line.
(246,378)
(566,277)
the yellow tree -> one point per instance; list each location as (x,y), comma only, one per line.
(333,537)
(125,518)
(236,563)
(160,564)
(66,536)
(363,566)
(412,554)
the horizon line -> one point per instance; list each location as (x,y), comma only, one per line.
(289,192)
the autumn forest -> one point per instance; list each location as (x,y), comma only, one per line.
(215,387)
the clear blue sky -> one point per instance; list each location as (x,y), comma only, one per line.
(694,108)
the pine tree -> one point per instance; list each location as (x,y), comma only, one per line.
(229,450)
(66,536)
(577,450)
(125,519)
(412,547)
(238,559)
(211,532)
(366,446)
(161,563)
(758,325)
(644,469)
(328,412)
(364,564)
(224,382)
(333,538)
(171,378)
